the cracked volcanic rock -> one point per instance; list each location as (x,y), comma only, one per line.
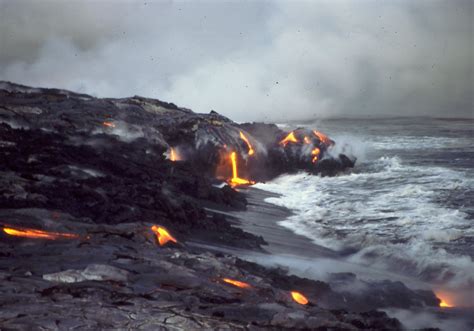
(99,272)
(113,279)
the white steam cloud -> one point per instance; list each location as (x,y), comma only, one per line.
(253,60)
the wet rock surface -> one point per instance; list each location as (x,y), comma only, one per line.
(89,176)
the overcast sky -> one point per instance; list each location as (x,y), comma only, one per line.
(253,60)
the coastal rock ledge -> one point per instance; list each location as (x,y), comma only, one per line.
(103,203)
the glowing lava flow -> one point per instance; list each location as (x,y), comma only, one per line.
(299,298)
(244,138)
(445,300)
(108,124)
(444,304)
(289,138)
(162,235)
(38,234)
(236,283)
(315,153)
(173,155)
(307,141)
(236,180)
(323,138)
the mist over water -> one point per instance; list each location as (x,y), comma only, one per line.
(406,208)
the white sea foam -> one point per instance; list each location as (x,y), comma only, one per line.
(388,211)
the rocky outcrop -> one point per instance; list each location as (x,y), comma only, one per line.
(84,179)
(205,140)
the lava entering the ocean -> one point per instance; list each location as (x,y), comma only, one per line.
(236,180)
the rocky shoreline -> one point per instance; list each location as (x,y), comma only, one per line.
(119,278)
(83,181)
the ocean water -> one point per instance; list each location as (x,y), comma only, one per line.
(407,206)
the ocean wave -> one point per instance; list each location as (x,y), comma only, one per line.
(418,142)
(393,214)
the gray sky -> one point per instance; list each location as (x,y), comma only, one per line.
(252,60)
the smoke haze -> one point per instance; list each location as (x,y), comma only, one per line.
(253,60)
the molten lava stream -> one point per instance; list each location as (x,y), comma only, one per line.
(446,300)
(173,155)
(38,234)
(244,138)
(162,235)
(444,304)
(299,298)
(289,138)
(108,124)
(315,153)
(236,283)
(322,137)
(236,180)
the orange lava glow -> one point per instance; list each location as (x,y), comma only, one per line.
(162,235)
(315,153)
(38,234)
(108,124)
(299,298)
(307,141)
(236,283)
(446,300)
(289,138)
(173,155)
(244,138)
(236,180)
(322,137)
(444,304)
